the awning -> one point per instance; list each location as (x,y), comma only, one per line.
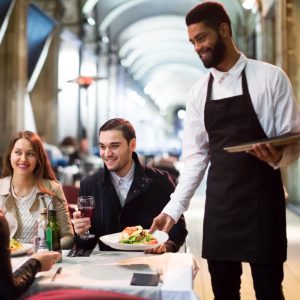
(39,34)
(6,8)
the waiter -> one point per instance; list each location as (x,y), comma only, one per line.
(239,100)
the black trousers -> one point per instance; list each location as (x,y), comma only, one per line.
(226,280)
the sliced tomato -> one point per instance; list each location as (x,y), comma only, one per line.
(152,241)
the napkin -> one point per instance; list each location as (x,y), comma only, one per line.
(144,279)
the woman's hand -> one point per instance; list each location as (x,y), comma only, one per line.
(80,224)
(47,259)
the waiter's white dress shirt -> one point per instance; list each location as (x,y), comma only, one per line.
(273,101)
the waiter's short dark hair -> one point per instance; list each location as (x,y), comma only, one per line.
(211,13)
(119,124)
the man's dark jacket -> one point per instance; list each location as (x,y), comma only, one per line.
(149,193)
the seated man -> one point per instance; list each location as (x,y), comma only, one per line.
(126,193)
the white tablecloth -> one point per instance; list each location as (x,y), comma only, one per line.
(113,271)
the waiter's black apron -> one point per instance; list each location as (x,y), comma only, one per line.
(245,205)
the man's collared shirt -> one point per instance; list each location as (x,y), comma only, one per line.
(122,184)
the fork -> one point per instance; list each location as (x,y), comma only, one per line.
(159,273)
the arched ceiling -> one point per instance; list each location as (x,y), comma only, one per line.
(151,40)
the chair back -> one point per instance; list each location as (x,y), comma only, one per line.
(71,193)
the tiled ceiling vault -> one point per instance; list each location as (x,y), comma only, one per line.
(150,39)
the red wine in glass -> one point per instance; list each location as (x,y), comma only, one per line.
(86,212)
(86,205)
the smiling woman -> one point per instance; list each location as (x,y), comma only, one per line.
(26,175)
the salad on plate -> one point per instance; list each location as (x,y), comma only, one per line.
(137,235)
(18,248)
(134,238)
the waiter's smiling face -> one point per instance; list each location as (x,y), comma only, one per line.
(208,43)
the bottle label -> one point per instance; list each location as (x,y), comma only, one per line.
(49,238)
(53,241)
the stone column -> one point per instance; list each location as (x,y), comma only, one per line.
(13,74)
(286,34)
(44,94)
(287,57)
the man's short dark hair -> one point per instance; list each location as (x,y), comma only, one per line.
(122,125)
(211,13)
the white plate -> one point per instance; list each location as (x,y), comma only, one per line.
(23,250)
(112,240)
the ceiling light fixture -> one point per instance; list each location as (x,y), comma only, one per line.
(105,39)
(248,4)
(91,21)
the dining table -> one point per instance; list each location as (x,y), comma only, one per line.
(114,270)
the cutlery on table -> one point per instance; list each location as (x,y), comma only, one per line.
(58,271)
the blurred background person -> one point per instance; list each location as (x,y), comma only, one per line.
(54,154)
(27,174)
(72,172)
(70,149)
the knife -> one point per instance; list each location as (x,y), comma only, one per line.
(58,271)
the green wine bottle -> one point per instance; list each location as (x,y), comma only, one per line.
(53,232)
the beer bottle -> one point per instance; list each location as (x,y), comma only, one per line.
(53,232)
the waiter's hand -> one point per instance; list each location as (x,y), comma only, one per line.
(267,153)
(162,222)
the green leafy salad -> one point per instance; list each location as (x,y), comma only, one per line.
(137,235)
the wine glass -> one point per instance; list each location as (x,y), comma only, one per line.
(86,205)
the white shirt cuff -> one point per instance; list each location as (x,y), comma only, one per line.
(174,210)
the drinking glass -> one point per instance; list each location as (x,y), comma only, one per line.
(86,205)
